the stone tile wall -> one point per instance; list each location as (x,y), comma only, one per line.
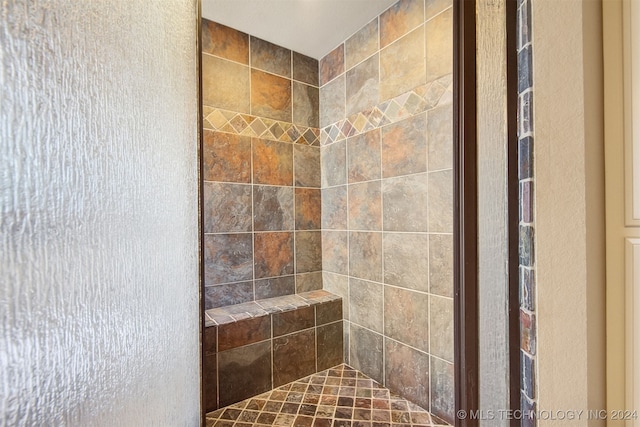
(387,192)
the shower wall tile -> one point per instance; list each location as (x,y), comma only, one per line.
(306,282)
(270,96)
(243,332)
(399,19)
(363,153)
(306,104)
(288,322)
(367,348)
(308,251)
(339,285)
(440,140)
(362,44)
(441,201)
(335,257)
(441,264)
(210,381)
(334,208)
(365,255)
(442,390)
(441,310)
(405,201)
(434,7)
(306,164)
(333,164)
(406,260)
(402,65)
(407,372)
(225,42)
(365,304)
(404,147)
(439,45)
(332,65)
(226,157)
(365,206)
(328,312)
(272,162)
(403,307)
(329,345)
(332,102)
(227,207)
(227,294)
(244,372)
(270,57)
(305,69)
(293,357)
(362,84)
(227,258)
(308,209)
(225,84)
(275,287)
(273,254)
(272,208)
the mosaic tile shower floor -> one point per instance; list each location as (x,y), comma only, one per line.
(336,397)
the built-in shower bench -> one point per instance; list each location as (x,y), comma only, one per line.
(256,346)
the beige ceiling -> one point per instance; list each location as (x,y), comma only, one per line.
(311,27)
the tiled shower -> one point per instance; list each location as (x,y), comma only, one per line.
(330,182)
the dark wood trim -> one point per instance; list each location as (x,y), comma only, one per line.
(203,409)
(513,205)
(465,212)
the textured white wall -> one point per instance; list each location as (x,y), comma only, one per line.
(99,304)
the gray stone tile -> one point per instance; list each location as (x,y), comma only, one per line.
(365,206)
(440,137)
(402,65)
(334,208)
(227,207)
(329,345)
(333,159)
(442,390)
(365,255)
(404,147)
(406,261)
(227,258)
(272,208)
(335,257)
(407,372)
(275,287)
(404,201)
(339,285)
(362,86)
(363,153)
(306,164)
(406,317)
(270,57)
(308,251)
(366,352)
(306,282)
(306,104)
(365,304)
(362,44)
(441,202)
(332,102)
(229,294)
(441,264)
(305,69)
(441,310)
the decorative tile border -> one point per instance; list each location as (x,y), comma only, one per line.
(416,101)
(259,127)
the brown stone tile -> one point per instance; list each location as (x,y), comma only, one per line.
(243,332)
(402,308)
(273,254)
(362,83)
(227,258)
(292,321)
(441,315)
(442,390)
(272,162)
(210,340)
(365,255)
(365,206)
(306,282)
(405,201)
(441,264)
(227,207)
(334,208)
(225,84)
(270,96)
(406,261)
(404,147)
(329,345)
(362,44)
(332,65)
(440,208)
(402,65)
(366,352)
(308,251)
(434,7)
(227,294)
(439,45)
(244,372)
(332,102)
(399,19)
(210,380)
(335,257)
(329,312)
(275,287)
(365,304)
(333,161)
(305,69)
(272,208)
(308,214)
(225,42)
(407,372)
(293,356)
(226,157)
(306,164)
(322,422)
(363,153)
(270,57)
(306,105)
(440,138)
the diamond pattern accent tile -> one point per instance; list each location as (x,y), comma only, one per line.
(336,397)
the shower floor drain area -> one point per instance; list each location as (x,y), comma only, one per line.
(337,397)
